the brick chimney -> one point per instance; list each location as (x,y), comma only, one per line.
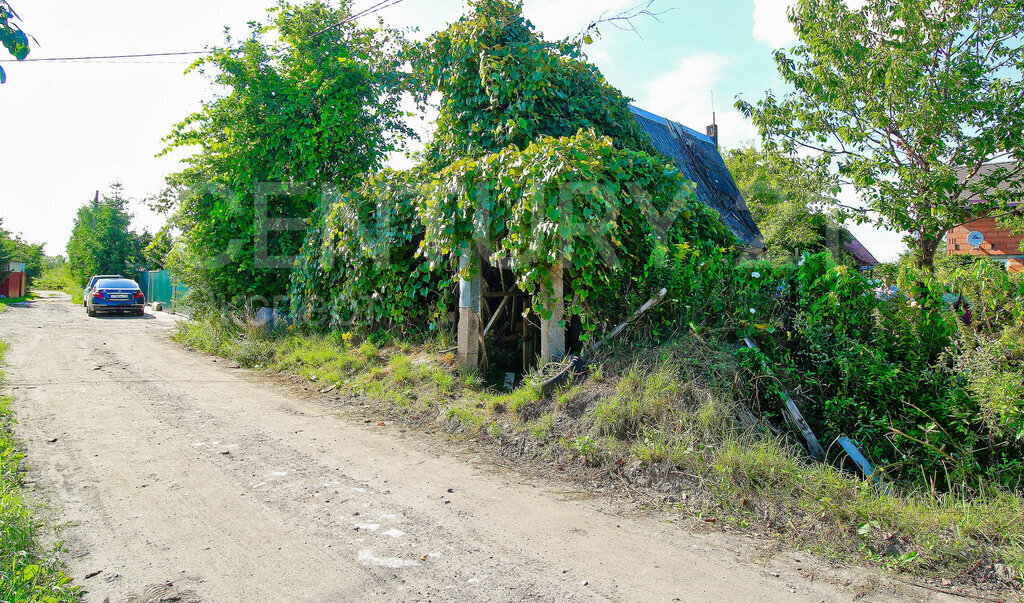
(713,129)
(713,133)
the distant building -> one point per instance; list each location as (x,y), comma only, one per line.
(859,253)
(696,156)
(983,236)
(14,281)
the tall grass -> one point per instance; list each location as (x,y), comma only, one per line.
(680,430)
(28,570)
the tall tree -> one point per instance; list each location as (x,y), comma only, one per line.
(792,199)
(11,36)
(159,248)
(5,256)
(909,98)
(502,84)
(310,98)
(102,241)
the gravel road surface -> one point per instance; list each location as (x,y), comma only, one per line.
(174,477)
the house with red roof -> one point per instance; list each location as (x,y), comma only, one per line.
(983,236)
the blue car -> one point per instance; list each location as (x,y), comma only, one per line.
(116,295)
(92,283)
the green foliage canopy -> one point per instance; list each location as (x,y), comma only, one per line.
(909,98)
(102,241)
(792,199)
(158,250)
(310,97)
(536,161)
(502,84)
(14,248)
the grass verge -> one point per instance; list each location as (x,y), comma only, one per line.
(28,570)
(4,303)
(673,420)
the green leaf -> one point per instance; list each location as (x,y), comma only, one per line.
(867,526)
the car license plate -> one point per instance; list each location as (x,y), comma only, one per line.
(120,296)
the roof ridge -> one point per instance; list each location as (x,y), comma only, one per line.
(697,156)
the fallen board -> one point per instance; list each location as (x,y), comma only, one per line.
(795,416)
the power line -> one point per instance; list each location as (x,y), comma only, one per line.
(100,58)
(87,62)
(376,8)
(373,9)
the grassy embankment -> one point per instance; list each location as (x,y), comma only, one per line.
(672,419)
(28,570)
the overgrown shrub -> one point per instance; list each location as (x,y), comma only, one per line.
(310,97)
(929,398)
(536,161)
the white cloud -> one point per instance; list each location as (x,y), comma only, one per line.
(569,17)
(771,20)
(771,24)
(684,95)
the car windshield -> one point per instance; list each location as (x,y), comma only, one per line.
(121,283)
(96,279)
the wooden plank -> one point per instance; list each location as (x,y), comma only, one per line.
(552,331)
(795,416)
(495,316)
(470,349)
(654,301)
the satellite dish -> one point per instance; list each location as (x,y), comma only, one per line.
(975,238)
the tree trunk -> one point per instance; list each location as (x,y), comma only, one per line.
(928,244)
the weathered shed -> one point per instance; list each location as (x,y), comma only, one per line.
(697,157)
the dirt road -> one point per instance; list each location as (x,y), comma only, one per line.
(178,476)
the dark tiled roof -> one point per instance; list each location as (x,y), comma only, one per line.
(697,157)
(859,252)
(998,168)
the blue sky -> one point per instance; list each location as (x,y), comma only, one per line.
(72,128)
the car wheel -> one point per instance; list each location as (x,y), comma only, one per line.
(90,312)
(140,312)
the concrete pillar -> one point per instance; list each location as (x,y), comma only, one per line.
(552,330)
(470,323)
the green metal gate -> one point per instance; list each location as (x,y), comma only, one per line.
(157,286)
